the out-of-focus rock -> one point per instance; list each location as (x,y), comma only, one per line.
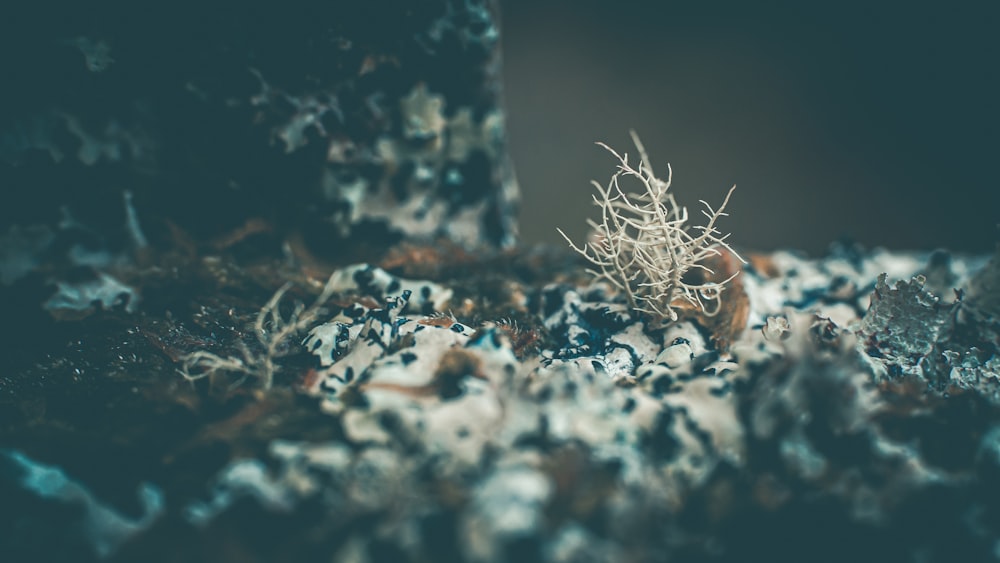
(352,125)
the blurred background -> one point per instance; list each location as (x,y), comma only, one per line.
(875,121)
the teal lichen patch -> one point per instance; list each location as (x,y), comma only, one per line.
(102,528)
(909,331)
(903,325)
(103,291)
(973,370)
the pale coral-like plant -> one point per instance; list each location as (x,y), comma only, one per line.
(273,332)
(644,245)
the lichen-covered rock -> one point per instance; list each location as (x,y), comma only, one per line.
(494,410)
(349,127)
(449,398)
(448,405)
(788,406)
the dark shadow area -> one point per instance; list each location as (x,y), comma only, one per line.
(875,121)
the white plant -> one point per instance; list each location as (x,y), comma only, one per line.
(273,332)
(644,245)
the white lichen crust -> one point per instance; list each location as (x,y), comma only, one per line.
(622,422)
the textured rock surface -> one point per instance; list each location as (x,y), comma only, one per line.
(499,408)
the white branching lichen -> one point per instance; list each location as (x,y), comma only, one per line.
(644,245)
(273,332)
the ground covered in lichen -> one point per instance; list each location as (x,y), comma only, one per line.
(441,405)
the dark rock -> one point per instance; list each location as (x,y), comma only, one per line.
(353,123)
